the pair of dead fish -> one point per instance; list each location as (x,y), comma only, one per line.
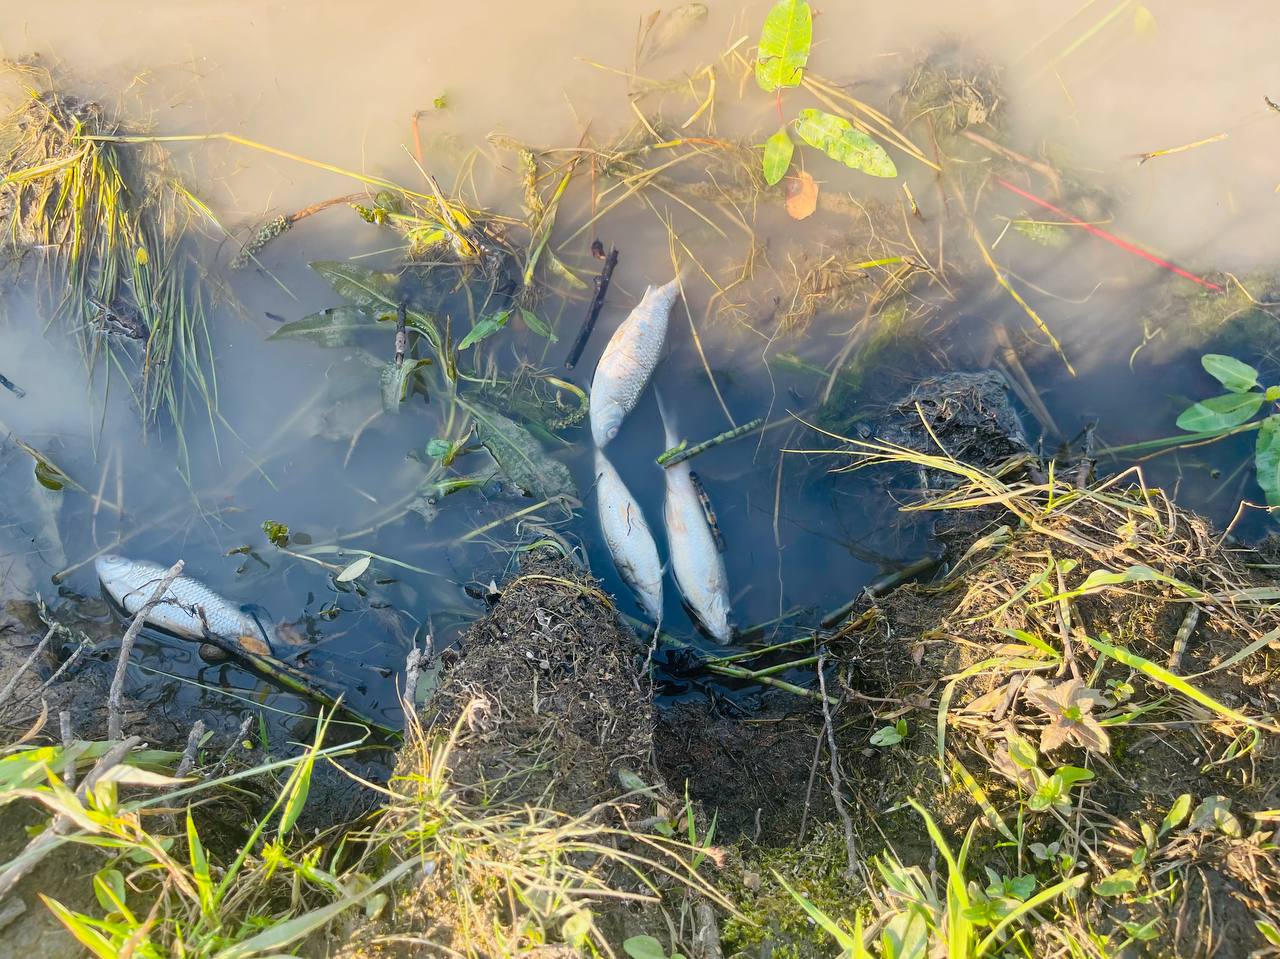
(620,379)
(188,608)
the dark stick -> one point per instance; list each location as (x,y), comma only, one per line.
(12,387)
(402,337)
(593,313)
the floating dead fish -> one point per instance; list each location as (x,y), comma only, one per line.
(189,609)
(697,564)
(629,538)
(628,361)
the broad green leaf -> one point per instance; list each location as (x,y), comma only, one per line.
(1214,813)
(1119,883)
(1021,751)
(784,45)
(1220,412)
(886,736)
(336,327)
(370,289)
(777,156)
(48,473)
(836,137)
(1236,376)
(577,928)
(485,328)
(108,888)
(536,323)
(395,380)
(644,947)
(1266,458)
(438,449)
(1177,812)
(521,457)
(354,570)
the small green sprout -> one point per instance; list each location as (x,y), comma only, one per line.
(887,736)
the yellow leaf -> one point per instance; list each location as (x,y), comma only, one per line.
(1144,22)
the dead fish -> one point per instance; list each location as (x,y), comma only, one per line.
(697,564)
(629,538)
(628,361)
(186,610)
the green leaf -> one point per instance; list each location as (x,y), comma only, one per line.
(1266,459)
(785,39)
(108,888)
(1171,680)
(644,947)
(88,937)
(777,156)
(1177,812)
(1214,813)
(535,323)
(1269,931)
(485,328)
(1021,751)
(1220,412)
(369,289)
(1119,883)
(439,449)
(335,327)
(200,868)
(520,457)
(48,473)
(1236,376)
(836,137)
(394,381)
(886,736)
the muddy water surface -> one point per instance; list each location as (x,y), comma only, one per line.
(301,440)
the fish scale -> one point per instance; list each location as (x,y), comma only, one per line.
(131,582)
(628,361)
(628,537)
(695,560)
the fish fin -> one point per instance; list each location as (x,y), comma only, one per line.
(668,422)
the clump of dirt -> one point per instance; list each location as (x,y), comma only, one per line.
(967,416)
(535,755)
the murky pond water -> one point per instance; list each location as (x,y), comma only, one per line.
(301,437)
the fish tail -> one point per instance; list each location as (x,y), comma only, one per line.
(664,296)
(668,422)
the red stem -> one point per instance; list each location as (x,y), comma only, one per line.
(1110,237)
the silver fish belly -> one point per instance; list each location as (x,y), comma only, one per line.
(186,608)
(695,560)
(628,361)
(630,541)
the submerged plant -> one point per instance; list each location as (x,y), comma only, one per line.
(108,232)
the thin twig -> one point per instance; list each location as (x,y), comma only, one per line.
(114,699)
(593,312)
(69,767)
(35,653)
(194,737)
(851,847)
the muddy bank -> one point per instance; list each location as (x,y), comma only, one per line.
(1100,761)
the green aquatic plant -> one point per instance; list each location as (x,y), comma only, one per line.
(781,57)
(108,234)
